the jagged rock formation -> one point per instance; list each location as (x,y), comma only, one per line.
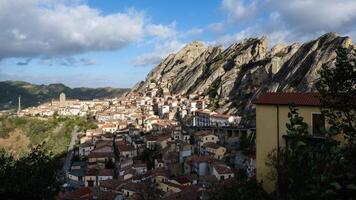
(240,73)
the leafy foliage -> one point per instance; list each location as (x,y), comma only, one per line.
(150,155)
(296,125)
(238,188)
(32,176)
(55,131)
(337,87)
(149,191)
(322,169)
(309,170)
(247,143)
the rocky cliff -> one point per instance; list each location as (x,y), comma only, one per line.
(232,78)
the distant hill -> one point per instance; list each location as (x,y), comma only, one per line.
(33,95)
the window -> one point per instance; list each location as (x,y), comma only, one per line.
(90,183)
(318,124)
(222,177)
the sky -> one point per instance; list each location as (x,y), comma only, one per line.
(99,43)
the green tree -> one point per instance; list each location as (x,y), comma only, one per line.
(32,176)
(149,191)
(296,125)
(310,169)
(110,164)
(237,188)
(337,88)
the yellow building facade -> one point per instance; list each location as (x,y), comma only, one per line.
(271,118)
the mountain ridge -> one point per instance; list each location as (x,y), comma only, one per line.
(33,94)
(233,77)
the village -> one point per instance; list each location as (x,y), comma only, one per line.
(173,142)
(169,146)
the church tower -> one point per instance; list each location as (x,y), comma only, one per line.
(62,100)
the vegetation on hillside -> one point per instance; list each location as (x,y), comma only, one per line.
(33,95)
(56,131)
(32,176)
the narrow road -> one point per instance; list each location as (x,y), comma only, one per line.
(70,153)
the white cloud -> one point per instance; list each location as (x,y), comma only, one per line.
(316,15)
(39,28)
(193,31)
(161,31)
(289,21)
(239,10)
(160,51)
(165,41)
(216,27)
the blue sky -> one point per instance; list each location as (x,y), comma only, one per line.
(98,43)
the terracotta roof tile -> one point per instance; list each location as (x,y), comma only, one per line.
(112,184)
(81,193)
(282,98)
(125,147)
(203,133)
(101,155)
(189,193)
(212,145)
(222,168)
(135,187)
(106,172)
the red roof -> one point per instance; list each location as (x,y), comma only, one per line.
(212,145)
(106,172)
(222,168)
(101,155)
(125,147)
(203,133)
(81,193)
(189,193)
(282,98)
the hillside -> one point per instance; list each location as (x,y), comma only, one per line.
(232,78)
(19,134)
(33,95)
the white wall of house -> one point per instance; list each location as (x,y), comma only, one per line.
(221,176)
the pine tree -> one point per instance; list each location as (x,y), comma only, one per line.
(337,88)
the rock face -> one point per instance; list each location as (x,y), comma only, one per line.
(235,76)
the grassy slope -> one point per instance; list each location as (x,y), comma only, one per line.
(29,131)
(33,95)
